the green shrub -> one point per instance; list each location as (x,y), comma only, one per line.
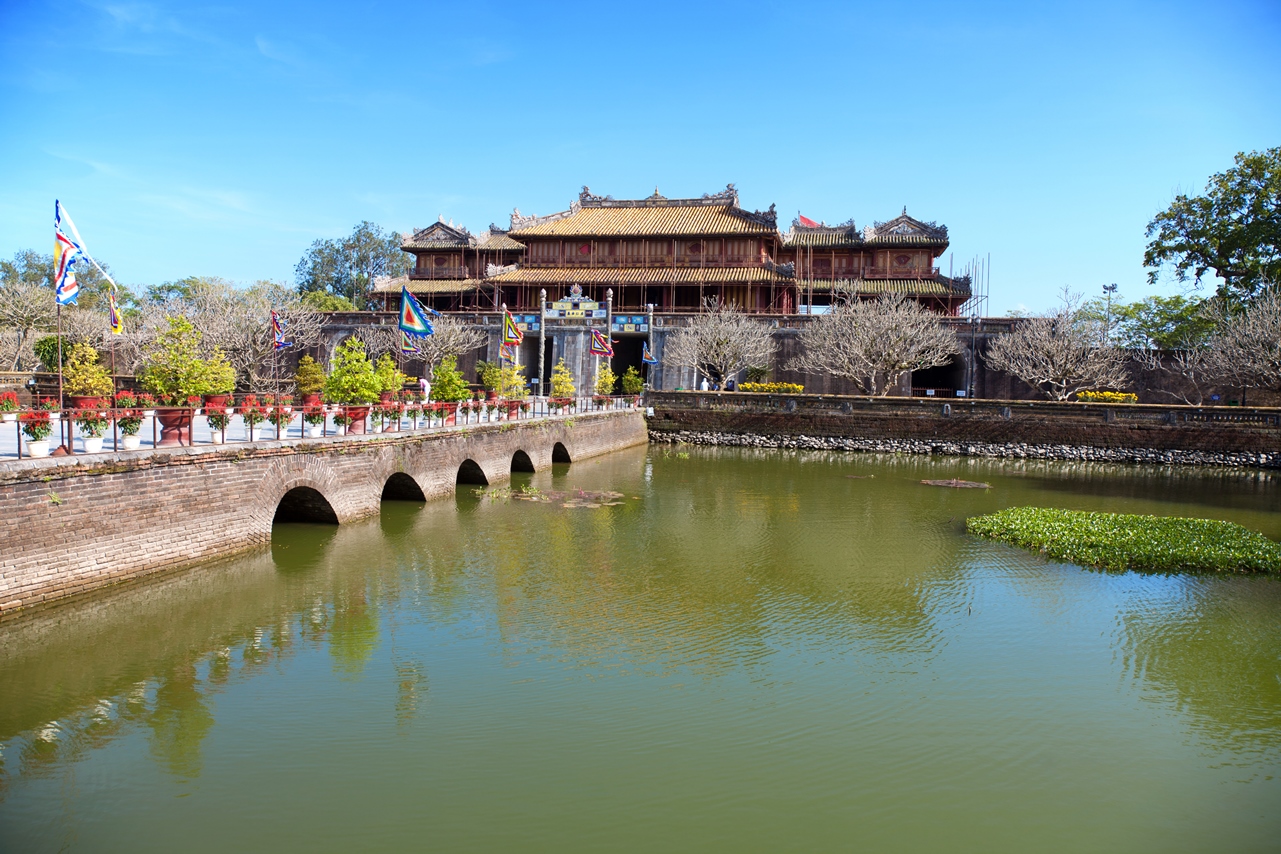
(562,381)
(352,380)
(310,377)
(389,376)
(448,384)
(175,371)
(605,379)
(83,375)
(632,382)
(1118,542)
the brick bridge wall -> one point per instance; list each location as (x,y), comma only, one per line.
(70,525)
(1219,430)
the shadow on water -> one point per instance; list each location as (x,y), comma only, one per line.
(396,518)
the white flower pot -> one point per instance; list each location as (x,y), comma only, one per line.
(215,436)
(314,430)
(8,417)
(55,416)
(92,444)
(340,429)
(376,428)
(131,441)
(38,449)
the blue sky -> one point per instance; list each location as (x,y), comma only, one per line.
(224,139)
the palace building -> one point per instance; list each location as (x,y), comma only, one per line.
(673,254)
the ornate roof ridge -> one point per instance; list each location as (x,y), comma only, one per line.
(823,228)
(457,233)
(726,197)
(904,224)
(519,220)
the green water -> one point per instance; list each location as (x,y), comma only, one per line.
(754,651)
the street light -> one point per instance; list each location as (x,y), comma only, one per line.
(1108,290)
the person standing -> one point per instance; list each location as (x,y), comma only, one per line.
(705,386)
(426,388)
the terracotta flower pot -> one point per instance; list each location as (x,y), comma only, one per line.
(175,428)
(83,401)
(311,399)
(358,415)
(386,396)
(219,400)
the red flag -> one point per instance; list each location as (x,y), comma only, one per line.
(806,221)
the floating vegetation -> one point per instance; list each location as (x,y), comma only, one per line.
(957,483)
(1118,542)
(860,476)
(576,498)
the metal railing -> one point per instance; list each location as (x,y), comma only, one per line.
(102,430)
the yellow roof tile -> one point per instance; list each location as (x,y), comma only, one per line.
(641,221)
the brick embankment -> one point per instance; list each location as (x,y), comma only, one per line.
(73,524)
(1014,429)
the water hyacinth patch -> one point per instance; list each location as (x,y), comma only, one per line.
(1117,541)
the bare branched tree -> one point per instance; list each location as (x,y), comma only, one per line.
(1246,349)
(1184,375)
(238,322)
(451,338)
(720,342)
(1058,354)
(378,340)
(26,308)
(875,342)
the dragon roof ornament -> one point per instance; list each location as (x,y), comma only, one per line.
(904,225)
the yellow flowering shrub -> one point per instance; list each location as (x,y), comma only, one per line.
(772,388)
(1107,397)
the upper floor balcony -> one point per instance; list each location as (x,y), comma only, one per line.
(442,272)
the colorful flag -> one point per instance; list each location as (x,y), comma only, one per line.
(646,356)
(113,311)
(413,317)
(67,250)
(600,344)
(65,254)
(408,344)
(278,330)
(511,332)
(507,353)
(805,221)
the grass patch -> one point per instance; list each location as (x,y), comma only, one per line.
(1118,542)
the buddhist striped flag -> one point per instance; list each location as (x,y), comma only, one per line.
(65,254)
(278,330)
(117,322)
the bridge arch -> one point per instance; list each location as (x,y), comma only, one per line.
(560,454)
(521,461)
(469,471)
(401,487)
(305,504)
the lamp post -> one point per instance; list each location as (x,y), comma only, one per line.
(1108,290)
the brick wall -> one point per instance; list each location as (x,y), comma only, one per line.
(73,524)
(1210,429)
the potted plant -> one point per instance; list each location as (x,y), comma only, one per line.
(524,407)
(310,380)
(353,383)
(390,379)
(341,421)
(413,409)
(92,423)
(631,382)
(37,428)
(49,406)
(253,413)
(281,415)
(562,384)
(84,379)
(129,417)
(175,373)
(450,388)
(8,406)
(313,419)
(491,377)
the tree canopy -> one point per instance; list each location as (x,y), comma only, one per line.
(1234,229)
(347,266)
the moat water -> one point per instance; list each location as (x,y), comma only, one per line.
(746,651)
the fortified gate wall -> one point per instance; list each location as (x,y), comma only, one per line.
(68,526)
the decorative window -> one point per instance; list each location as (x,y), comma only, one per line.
(695,248)
(585,249)
(902,260)
(440,261)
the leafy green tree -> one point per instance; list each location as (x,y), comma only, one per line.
(325,301)
(605,379)
(1164,323)
(348,266)
(1234,229)
(33,268)
(389,376)
(632,382)
(174,368)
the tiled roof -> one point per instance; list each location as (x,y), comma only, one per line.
(492,242)
(644,221)
(638,276)
(438,235)
(904,240)
(829,238)
(425,286)
(916,287)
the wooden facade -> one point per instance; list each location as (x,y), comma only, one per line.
(673,254)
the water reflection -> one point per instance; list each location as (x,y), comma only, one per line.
(796,581)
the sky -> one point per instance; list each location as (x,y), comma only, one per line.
(188,139)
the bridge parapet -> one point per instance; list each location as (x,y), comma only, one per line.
(74,524)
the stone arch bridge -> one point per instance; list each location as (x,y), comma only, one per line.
(72,524)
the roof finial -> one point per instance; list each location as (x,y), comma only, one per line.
(904,210)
